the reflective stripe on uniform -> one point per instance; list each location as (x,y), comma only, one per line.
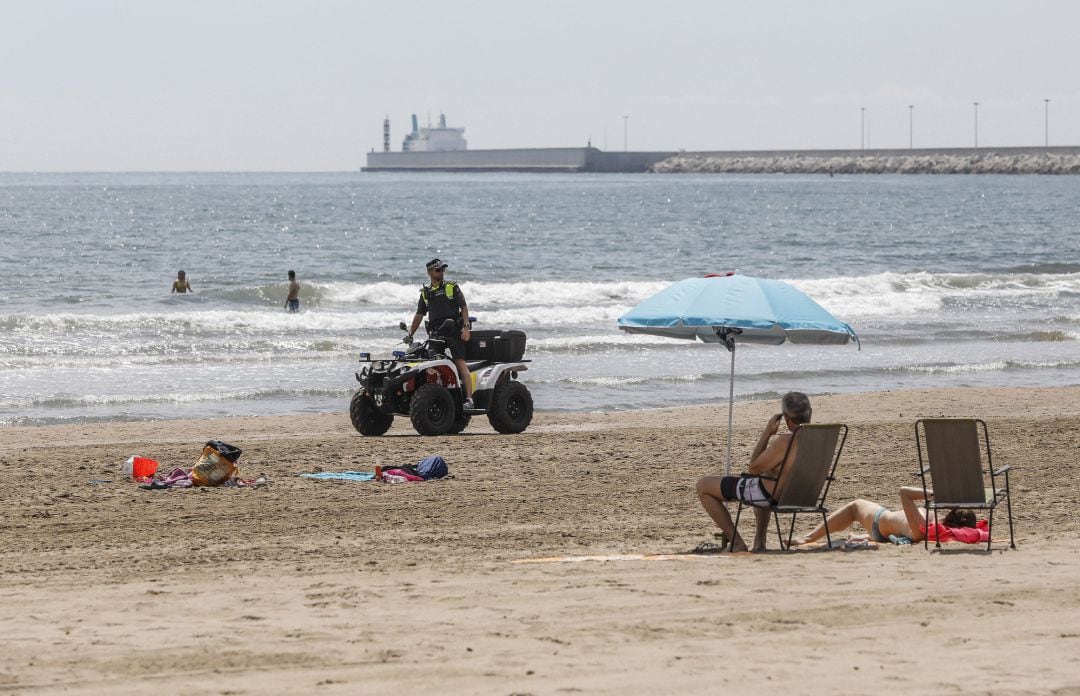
(449,285)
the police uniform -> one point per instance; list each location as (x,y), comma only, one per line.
(442,303)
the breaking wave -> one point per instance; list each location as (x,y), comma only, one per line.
(93,400)
(479,294)
(886,294)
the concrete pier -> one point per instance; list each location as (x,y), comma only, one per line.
(983,160)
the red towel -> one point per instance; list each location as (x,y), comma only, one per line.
(404,474)
(967,535)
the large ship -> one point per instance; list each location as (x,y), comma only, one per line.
(434,139)
(444,149)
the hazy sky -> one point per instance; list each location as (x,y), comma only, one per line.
(304,85)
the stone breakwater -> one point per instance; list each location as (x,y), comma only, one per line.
(981,163)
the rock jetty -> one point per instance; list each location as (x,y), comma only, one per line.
(940,163)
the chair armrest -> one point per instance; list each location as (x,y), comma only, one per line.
(1003,469)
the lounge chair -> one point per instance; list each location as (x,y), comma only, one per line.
(803,483)
(957,477)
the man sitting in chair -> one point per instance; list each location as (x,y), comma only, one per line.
(756,489)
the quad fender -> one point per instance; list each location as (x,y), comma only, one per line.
(447,373)
(488,377)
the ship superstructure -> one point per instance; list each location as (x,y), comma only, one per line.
(434,139)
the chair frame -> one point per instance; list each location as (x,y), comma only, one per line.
(996,496)
(795,510)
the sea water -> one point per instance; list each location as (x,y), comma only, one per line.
(948,280)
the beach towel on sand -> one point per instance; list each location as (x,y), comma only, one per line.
(342,476)
(967,535)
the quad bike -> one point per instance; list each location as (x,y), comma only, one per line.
(422,383)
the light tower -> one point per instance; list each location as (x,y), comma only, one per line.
(1046,123)
(910,126)
(386,134)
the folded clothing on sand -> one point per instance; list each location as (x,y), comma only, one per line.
(177,478)
(979,534)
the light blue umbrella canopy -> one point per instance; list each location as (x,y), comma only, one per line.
(736,308)
(764,311)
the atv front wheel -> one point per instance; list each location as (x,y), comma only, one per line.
(511,408)
(366,416)
(460,423)
(432,410)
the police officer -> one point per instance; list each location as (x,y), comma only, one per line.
(442,300)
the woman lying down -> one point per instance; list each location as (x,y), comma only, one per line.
(902,527)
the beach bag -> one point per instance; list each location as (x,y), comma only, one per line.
(432,468)
(216,465)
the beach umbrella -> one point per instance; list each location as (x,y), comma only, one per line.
(732,308)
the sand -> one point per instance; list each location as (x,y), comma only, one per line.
(321,587)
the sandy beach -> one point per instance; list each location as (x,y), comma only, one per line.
(325,587)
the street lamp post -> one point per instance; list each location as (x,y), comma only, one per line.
(976,124)
(625,130)
(862,127)
(1046,122)
(910,126)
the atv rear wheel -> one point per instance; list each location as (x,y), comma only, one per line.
(432,410)
(511,408)
(366,416)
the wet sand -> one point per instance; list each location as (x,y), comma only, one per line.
(324,587)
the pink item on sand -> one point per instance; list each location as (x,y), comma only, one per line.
(178,478)
(404,474)
(967,535)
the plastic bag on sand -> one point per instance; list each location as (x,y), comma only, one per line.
(216,465)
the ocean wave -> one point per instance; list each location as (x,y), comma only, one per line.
(875,294)
(219,322)
(991,366)
(609,381)
(225,323)
(1042,336)
(895,308)
(1052,268)
(132,359)
(952,369)
(884,294)
(59,401)
(405,295)
(597,342)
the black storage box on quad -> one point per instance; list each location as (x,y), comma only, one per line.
(495,345)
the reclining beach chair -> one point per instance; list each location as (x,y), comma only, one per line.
(957,478)
(803,483)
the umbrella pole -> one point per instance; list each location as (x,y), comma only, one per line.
(730,410)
